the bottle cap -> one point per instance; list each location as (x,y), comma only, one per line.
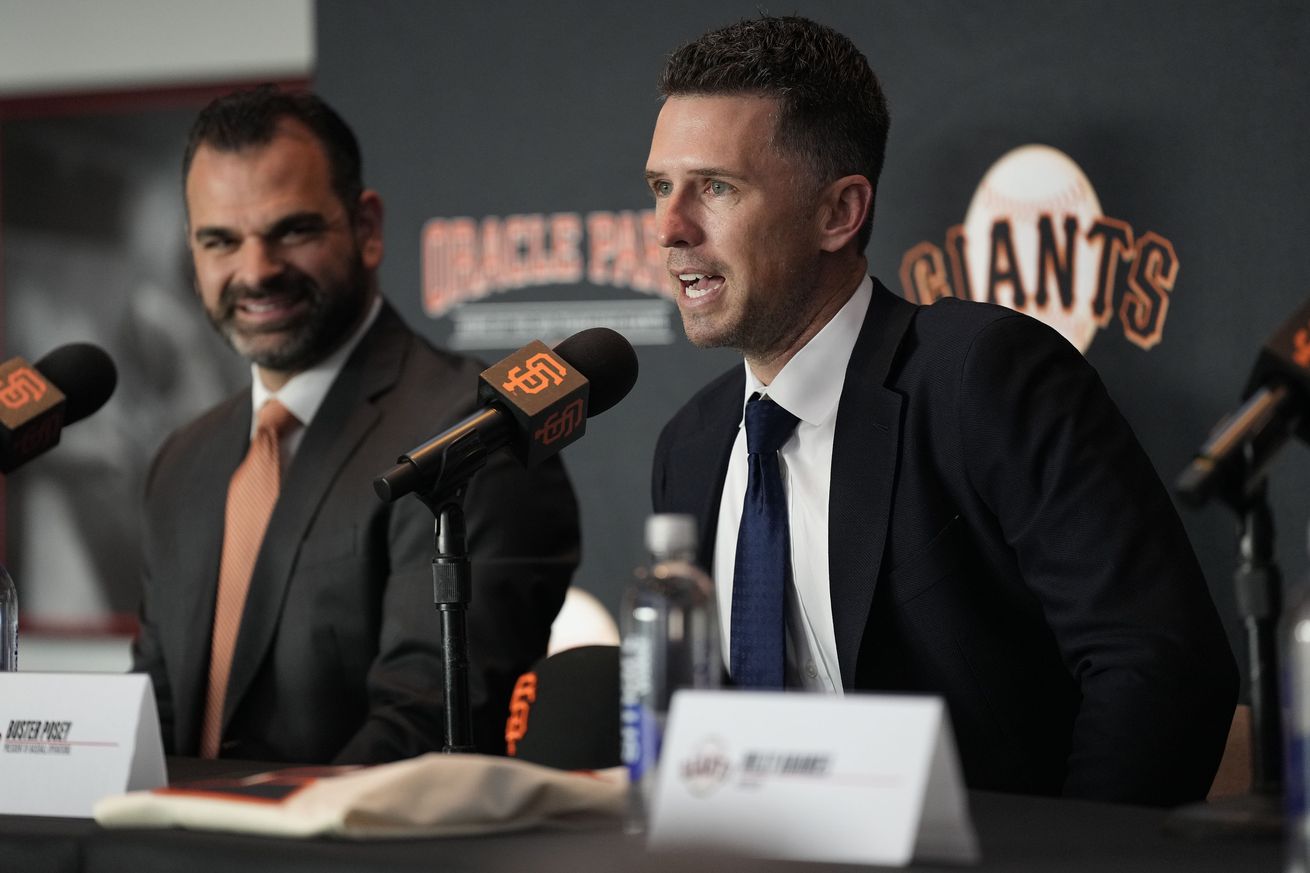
(669,533)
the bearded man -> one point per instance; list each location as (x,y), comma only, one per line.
(286,611)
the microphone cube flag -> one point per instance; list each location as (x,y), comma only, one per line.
(31,413)
(545,394)
(1285,360)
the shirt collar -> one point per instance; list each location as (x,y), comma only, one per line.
(809,385)
(305,392)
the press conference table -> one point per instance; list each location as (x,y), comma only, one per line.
(1017,834)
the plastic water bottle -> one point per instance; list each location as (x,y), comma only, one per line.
(1296,726)
(8,621)
(670,640)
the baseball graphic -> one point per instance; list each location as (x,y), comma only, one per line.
(1034,190)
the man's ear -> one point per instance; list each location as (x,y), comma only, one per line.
(368,228)
(845,204)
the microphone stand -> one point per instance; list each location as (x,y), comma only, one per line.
(452,582)
(452,590)
(1258,589)
(1258,585)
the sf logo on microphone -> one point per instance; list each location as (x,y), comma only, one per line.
(23,387)
(538,373)
(1301,351)
(561,424)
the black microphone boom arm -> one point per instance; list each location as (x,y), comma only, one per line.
(456,455)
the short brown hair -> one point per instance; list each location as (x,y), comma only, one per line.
(832,111)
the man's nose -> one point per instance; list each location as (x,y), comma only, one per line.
(259,261)
(675,223)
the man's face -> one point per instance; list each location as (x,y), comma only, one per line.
(283,272)
(739,220)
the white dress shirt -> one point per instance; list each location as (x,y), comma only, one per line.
(305,392)
(809,386)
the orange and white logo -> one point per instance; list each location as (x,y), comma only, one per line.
(520,704)
(538,373)
(1035,239)
(22,388)
(1301,348)
(467,259)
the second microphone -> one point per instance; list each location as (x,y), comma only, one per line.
(535,402)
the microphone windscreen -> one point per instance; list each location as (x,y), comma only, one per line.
(84,373)
(1285,360)
(608,361)
(565,710)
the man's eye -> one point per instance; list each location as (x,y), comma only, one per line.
(302,233)
(216,244)
(718,189)
(662,187)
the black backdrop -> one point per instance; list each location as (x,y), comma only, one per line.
(1188,118)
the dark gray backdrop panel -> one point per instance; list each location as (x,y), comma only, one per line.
(1188,118)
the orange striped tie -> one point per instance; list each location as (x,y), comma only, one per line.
(250,497)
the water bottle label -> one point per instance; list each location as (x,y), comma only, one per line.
(638,726)
(641,741)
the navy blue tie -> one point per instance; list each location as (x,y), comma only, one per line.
(759,580)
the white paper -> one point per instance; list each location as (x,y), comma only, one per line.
(69,739)
(854,779)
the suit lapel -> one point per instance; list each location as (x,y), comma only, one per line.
(705,456)
(202,555)
(865,450)
(346,416)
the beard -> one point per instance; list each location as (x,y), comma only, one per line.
(761,328)
(333,310)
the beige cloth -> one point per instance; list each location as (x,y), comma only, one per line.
(433,795)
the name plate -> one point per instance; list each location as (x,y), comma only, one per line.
(70,739)
(868,779)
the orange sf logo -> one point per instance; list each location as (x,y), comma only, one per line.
(24,387)
(520,702)
(537,374)
(561,424)
(1301,350)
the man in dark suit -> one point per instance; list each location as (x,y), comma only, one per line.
(964,511)
(326,647)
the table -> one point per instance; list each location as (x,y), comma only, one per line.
(1018,834)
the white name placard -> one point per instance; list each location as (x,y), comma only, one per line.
(69,739)
(867,779)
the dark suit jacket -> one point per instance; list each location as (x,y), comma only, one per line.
(338,657)
(997,536)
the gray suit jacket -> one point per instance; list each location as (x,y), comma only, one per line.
(338,657)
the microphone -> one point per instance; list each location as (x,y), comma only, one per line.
(536,402)
(1234,458)
(38,401)
(564,712)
